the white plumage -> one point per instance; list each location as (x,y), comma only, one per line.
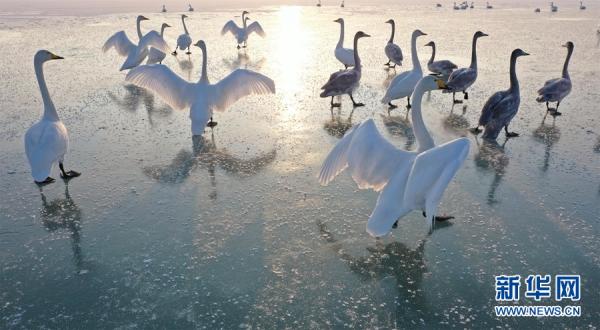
(184,41)
(155,55)
(407,180)
(241,33)
(344,55)
(202,97)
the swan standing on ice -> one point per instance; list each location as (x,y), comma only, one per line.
(393,51)
(555,90)
(581,6)
(460,80)
(342,5)
(344,55)
(319,3)
(502,106)
(190,8)
(184,41)
(155,55)
(345,81)
(241,33)
(47,141)
(202,98)
(488,6)
(443,68)
(553,7)
(406,180)
(164,9)
(404,84)
(135,53)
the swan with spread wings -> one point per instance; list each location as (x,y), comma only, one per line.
(241,33)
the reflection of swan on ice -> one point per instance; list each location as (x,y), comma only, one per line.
(205,154)
(457,123)
(491,156)
(338,126)
(134,95)
(549,135)
(64,214)
(400,126)
(243,61)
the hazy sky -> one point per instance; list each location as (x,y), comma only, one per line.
(115,6)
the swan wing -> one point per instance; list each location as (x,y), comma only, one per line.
(45,143)
(431,173)
(490,106)
(120,42)
(158,78)
(555,88)
(461,78)
(394,53)
(339,82)
(442,66)
(230,26)
(256,28)
(501,115)
(153,39)
(369,157)
(238,84)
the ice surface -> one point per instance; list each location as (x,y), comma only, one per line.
(233,230)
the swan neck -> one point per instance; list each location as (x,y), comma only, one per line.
(424,139)
(514,83)
(184,27)
(49,110)
(474,54)
(413,52)
(393,33)
(565,72)
(162,30)
(139,28)
(204,75)
(432,54)
(357,65)
(340,43)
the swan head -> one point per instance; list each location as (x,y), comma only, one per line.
(245,13)
(44,56)
(142,18)
(418,33)
(569,45)
(200,44)
(431,83)
(519,52)
(390,21)
(339,20)
(184,16)
(431,44)
(480,34)
(165,25)
(360,34)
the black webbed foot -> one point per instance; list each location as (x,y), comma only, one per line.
(475,130)
(45,182)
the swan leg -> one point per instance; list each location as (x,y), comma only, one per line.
(45,182)
(555,112)
(346,66)
(439,218)
(394,66)
(188,51)
(335,105)
(67,174)
(174,52)
(392,106)
(475,130)
(510,134)
(454,98)
(466,95)
(408,106)
(388,63)
(238,46)
(211,123)
(354,102)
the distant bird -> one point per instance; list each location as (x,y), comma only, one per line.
(135,53)
(537,10)
(488,6)
(441,67)
(404,83)
(345,81)
(202,98)
(164,9)
(184,41)
(472,5)
(47,141)
(342,5)
(438,5)
(555,90)
(190,8)
(155,55)
(581,6)
(319,3)
(241,33)
(553,7)
(460,80)
(406,180)
(344,55)
(502,106)
(456,7)
(393,51)
(464,5)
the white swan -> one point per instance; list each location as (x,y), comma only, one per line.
(345,81)
(393,51)
(241,33)
(47,141)
(202,97)
(555,90)
(155,55)
(344,55)
(184,41)
(407,180)
(135,53)
(404,84)
(460,80)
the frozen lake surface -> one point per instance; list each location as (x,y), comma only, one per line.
(233,230)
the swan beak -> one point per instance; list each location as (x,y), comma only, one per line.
(367,35)
(565,45)
(144,18)
(56,57)
(526,54)
(441,84)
